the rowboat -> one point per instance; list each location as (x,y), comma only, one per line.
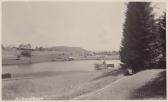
(103,65)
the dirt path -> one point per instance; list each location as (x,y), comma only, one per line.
(122,88)
(99,90)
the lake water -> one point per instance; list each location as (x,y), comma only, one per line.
(53,79)
(81,65)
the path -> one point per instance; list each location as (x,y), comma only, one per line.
(122,88)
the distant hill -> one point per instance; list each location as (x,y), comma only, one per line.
(76,50)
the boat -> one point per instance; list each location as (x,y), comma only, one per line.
(104,65)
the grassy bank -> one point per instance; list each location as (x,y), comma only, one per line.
(148,84)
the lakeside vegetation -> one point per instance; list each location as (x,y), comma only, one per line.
(144,38)
(10,55)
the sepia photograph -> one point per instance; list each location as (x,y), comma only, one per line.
(87,50)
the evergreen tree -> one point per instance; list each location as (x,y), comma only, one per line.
(138,32)
(159,44)
(162,32)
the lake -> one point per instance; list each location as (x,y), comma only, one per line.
(58,80)
(80,65)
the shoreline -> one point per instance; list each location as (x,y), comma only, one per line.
(26,62)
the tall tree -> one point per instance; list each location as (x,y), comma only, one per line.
(138,31)
(159,44)
(162,32)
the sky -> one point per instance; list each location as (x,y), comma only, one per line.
(95,26)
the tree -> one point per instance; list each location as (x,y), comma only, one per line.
(138,32)
(162,33)
(2,46)
(41,48)
(159,43)
(26,53)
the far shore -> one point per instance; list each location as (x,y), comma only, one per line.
(13,56)
(9,57)
(31,61)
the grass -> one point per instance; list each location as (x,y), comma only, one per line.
(154,89)
(142,85)
(116,72)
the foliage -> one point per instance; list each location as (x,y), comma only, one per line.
(139,30)
(26,53)
(159,43)
(40,48)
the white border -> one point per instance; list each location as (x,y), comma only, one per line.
(89,1)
